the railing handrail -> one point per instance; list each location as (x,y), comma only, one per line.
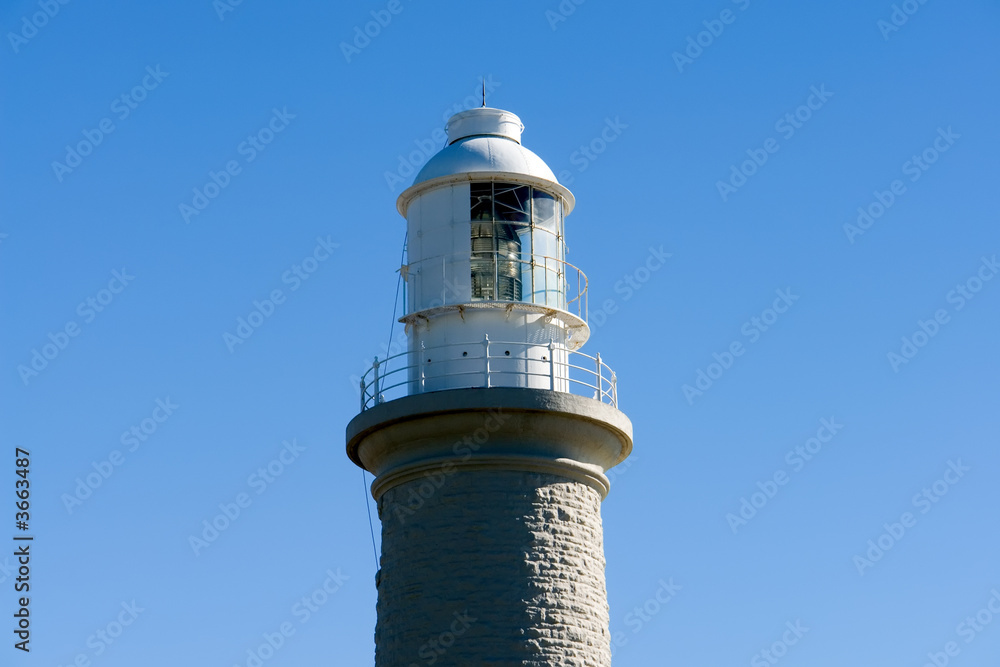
(384,360)
(530,259)
(373,383)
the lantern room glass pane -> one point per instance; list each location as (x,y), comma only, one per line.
(544,210)
(516,244)
(481,195)
(495,262)
(511,202)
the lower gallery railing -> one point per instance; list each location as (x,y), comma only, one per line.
(489,363)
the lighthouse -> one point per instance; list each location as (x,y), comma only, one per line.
(490,437)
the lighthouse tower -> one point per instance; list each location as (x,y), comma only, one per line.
(490,436)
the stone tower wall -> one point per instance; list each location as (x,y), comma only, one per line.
(492,544)
(492,567)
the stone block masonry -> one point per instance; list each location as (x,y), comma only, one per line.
(500,563)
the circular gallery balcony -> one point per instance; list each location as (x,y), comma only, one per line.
(488,363)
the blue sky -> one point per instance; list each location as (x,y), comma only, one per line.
(705,164)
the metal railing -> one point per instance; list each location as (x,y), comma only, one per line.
(545,280)
(558,369)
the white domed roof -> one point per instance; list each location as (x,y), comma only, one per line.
(483,142)
(485,153)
